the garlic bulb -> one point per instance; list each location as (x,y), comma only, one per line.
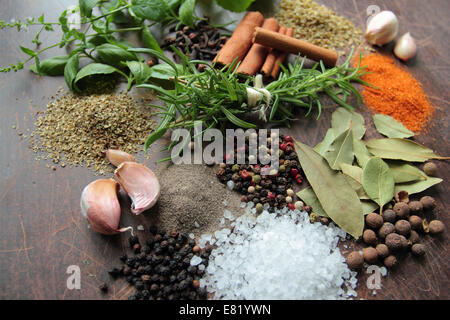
(140,183)
(100,206)
(116,157)
(406,47)
(382,28)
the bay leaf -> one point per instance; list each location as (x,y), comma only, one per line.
(390,127)
(400,149)
(339,201)
(325,144)
(341,150)
(342,119)
(309,197)
(361,153)
(368,206)
(353,175)
(378,181)
(404,172)
(417,186)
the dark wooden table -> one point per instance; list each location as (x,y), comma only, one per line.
(42,231)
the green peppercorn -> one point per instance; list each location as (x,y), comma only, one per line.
(282,168)
(257,178)
(259,208)
(235,168)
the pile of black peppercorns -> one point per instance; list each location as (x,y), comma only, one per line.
(160,269)
(274,188)
(396,231)
(201,43)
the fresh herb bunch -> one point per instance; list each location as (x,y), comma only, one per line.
(216,97)
(99,39)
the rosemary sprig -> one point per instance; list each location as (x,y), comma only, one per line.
(217,96)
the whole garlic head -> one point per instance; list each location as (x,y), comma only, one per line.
(382,28)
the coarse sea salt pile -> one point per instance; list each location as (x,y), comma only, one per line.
(277,255)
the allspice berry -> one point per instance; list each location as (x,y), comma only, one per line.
(370,255)
(355,260)
(389,215)
(413,237)
(428,203)
(390,261)
(383,250)
(430,169)
(415,222)
(401,210)
(374,220)
(404,242)
(403,227)
(370,237)
(418,249)
(436,227)
(386,229)
(415,207)
(394,242)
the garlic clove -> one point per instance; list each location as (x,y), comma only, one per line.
(100,206)
(140,183)
(405,48)
(116,157)
(382,28)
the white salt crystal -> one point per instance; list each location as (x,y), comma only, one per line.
(140,227)
(195,260)
(228,215)
(383,271)
(230,184)
(191,235)
(243,204)
(259,256)
(196,224)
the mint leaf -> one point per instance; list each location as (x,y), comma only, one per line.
(187,13)
(153,10)
(235,5)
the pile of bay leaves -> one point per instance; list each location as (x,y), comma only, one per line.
(350,177)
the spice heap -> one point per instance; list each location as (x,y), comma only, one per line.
(77,130)
(276,188)
(396,231)
(187,211)
(397,93)
(318,24)
(161,269)
(284,257)
(199,43)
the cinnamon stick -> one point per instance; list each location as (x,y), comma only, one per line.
(271,58)
(241,39)
(257,54)
(291,45)
(281,57)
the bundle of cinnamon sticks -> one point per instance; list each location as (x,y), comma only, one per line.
(261,45)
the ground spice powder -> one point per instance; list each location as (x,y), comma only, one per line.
(398,94)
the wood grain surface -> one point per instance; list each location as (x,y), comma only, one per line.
(42,231)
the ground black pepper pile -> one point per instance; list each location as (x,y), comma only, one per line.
(202,43)
(160,269)
(274,189)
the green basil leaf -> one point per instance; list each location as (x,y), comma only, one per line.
(86,7)
(28,51)
(417,186)
(153,10)
(70,70)
(140,70)
(93,69)
(400,149)
(51,67)
(235,5)
(341,150)
(339,201)
(172,4)
(378,181)
(149,40)
(186,13)
(309,197)
(390,127)
(114,55)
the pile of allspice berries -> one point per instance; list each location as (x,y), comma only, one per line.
(396,231)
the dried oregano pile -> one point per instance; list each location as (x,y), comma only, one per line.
(77,130)
(318,24)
